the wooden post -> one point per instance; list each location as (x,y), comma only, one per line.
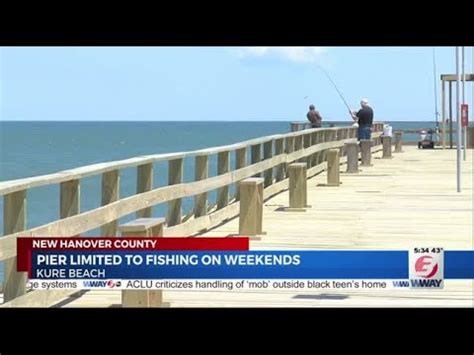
(313,157)
(297,186)
(69,198)
(298,142)
(299,146)
(175,176)
(280,169)
(450,115)
(240,162)
(289,148)
(144,183)
(365,152)
(110,193)
(201,171)
(143,227)
(223,166)
(307,144)
(256,155)
(320,154)
(333,167)
(353,132)
(443,113)
(327,135)
(352,151)
(14,219)
(387,147)
(348,131)
(375,128)
(251,207)
(398,141)
(340,134)
(268,154)
(379,129)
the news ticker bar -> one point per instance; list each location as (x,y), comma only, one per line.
(225,285)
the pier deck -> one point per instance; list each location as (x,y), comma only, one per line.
(398,203)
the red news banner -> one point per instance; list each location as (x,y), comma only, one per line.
(26,245)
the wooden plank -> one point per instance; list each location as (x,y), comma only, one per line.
(144,183)
(313,142)
(69,198)
(66,175)
(453,77)
(196,225)
(14,219)
(140,225)
(267,154)
(307,144)
(110,193)
(201,172)
(279,169)
(175,176)
(256,156)
(240,162)
(289,149)
(223,167)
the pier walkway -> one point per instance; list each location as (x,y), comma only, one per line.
(398,203)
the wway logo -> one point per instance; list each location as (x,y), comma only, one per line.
(426,268)
(102,284)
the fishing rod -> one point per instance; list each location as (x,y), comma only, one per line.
(335,86)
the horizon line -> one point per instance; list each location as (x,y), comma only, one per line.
(211,120)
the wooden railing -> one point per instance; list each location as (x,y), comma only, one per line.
(278,152)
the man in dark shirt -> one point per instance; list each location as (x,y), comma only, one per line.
(314,117)
(364,118)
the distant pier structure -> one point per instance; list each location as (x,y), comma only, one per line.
(447,117)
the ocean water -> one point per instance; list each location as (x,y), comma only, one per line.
(37,148)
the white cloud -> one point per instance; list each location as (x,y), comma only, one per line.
(294,54)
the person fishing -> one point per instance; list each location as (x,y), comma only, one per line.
(314,117)
(364,117)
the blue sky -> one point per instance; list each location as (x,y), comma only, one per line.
(218,83)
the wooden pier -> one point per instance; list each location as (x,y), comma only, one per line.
(407,200)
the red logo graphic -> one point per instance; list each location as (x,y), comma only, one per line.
(426,267)
(112,283)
